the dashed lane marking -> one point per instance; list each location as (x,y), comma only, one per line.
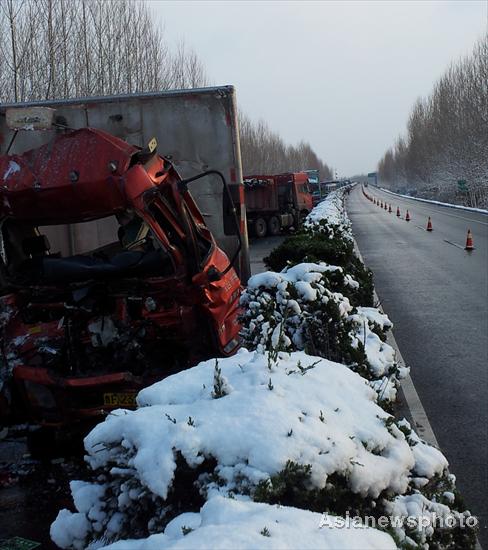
(454,244)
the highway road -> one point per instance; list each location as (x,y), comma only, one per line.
(436,294)
(259,249)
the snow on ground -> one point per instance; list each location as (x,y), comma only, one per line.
(332,212)
(299,408)
(224,523)
(283,308)
(247,429)
(238,422)
(447,204)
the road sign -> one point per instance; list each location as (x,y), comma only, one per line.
(372,175)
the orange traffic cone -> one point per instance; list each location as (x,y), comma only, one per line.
(386,206)
(469,241)
(381,204)
(429,224)
(374,201)
(398,211)
(389,209)
(407,217)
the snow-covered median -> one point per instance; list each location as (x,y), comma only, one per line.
(257,450)
(330,213)
(299,309)
(295,409)
(223,524)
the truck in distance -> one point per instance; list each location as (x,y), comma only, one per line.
(276,202)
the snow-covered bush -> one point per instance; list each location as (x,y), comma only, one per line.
(294,429)
(327,237)
(299,310)
(229,523)
(246,451)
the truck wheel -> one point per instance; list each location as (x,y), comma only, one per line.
(260,228)
(274,226)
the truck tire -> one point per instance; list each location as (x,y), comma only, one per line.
(260,228)
(274,226)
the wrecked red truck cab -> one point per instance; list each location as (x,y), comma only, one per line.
(82,333)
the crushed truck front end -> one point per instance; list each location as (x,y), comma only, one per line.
(83,333)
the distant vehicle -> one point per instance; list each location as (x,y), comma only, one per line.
(317,197)
(276,202)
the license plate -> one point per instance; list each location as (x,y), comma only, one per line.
(119,399)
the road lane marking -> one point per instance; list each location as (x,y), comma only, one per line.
(455,244)
(439,211)
(412,398)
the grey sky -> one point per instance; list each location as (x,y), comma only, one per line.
(340,75)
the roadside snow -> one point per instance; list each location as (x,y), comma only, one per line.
(447,204)
(298,408)
(226,523)
(246,431)
(283,311)
(330,215)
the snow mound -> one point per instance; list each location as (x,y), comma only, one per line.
(247,430)
(329,216)
(225,523)
(296,310)
(294,407)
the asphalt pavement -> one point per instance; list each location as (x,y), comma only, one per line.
(436,294)
(259,249)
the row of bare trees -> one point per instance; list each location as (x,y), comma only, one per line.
(78,48)
(264,152)
(447,137)
(56,49)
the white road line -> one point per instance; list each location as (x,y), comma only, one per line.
(419,416)
(417,200)
(454,244)
(417,411)
(437,211)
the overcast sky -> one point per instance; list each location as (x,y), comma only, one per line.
(340,75)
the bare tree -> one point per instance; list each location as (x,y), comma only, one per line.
(447,137)
(66,48)
(264,151)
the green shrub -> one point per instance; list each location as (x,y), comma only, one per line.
(313,246)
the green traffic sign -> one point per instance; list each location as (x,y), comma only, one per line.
(462,185)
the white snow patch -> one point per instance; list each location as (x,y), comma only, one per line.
(447,204)
(226,523)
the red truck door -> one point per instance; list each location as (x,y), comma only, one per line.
(303,198)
